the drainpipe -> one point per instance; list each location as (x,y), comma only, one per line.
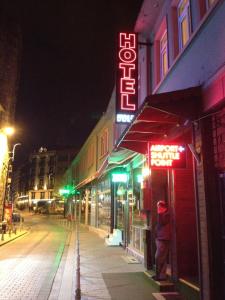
(197,213)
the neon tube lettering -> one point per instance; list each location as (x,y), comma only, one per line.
(127,40)
(165,155)
(127,56)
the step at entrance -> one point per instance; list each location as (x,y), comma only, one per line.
(168,296)
(161,286)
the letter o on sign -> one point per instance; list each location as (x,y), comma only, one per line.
(127,55)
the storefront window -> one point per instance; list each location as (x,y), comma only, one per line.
(121,196)
(93,217)
(137,215)
(103,208)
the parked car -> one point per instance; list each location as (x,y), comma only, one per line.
(41,207)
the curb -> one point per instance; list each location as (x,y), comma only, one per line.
(12,239)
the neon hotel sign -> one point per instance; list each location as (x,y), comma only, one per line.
(127,72)
(167,156)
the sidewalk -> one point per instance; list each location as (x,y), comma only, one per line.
(10,237)
(106,272)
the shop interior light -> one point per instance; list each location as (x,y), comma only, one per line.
(121,191)
(146,172)
(119,177)
(63,192)
(140,178)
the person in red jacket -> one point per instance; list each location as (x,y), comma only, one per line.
(163,236)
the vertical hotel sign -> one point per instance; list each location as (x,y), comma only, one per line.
(127,78)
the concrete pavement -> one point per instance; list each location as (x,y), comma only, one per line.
(106,272)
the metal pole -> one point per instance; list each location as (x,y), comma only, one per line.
(78,290)
(5,192)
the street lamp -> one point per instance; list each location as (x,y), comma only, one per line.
(8,130)
(13,151)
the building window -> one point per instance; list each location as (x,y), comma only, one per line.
(51,160)
(32,183)
(51,181)
(161,52)
(104,140)
(42,171)
(184,22)
(33,162)
(163,55)
(32,195)
(90,155)
(41,183)
(42,195)
(42,162)
(51,195)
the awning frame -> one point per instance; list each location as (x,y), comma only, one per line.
(162,117)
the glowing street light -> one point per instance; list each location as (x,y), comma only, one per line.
(9,130)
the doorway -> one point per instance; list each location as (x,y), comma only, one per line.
(222,220)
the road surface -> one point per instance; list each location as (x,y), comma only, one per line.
(29,264)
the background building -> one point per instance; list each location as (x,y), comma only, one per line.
(10,52)
(41,178)
(20,185)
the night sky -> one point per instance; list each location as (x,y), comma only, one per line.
(67,67)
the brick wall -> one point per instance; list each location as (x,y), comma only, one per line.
(202,219)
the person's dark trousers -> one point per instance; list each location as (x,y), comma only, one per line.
(162,250)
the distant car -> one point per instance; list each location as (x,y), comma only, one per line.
(16,217)
(43,210)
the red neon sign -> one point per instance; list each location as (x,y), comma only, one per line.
(167,156)
(127,76)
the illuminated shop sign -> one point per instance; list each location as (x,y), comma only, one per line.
(167,156)
(119,177)
(127,72)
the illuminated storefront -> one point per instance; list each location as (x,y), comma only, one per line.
(162,132)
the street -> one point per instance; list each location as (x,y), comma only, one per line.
(28,264)
(42,265)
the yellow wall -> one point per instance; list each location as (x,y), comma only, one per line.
(3,168)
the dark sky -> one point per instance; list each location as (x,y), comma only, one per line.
(67,67)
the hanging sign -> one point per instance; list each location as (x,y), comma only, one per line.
(167,156)
(127,78)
